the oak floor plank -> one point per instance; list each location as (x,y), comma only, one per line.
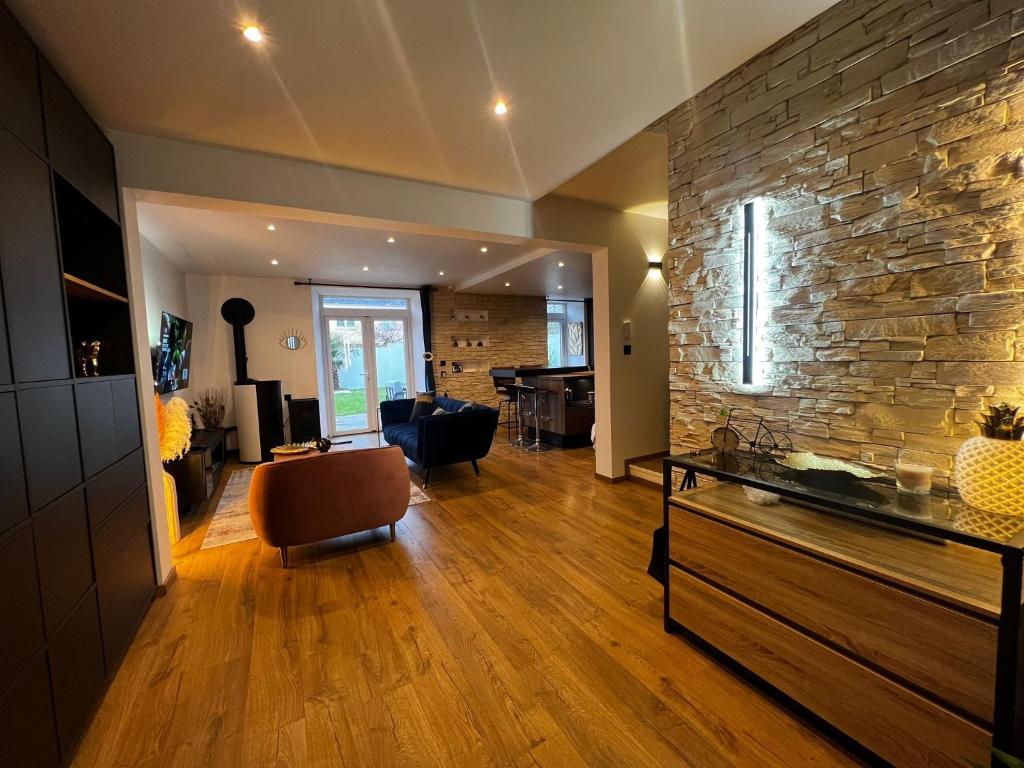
(511,624)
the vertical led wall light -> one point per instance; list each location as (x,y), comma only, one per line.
(753,245)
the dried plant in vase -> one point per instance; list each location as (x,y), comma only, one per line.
(990,468)
(209,404)
(174,430)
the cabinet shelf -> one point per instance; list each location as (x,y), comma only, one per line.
(83,289)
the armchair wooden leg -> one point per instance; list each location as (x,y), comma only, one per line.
(284,556)
(476,467)
(393,528)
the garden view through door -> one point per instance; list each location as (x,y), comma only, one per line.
(369,363)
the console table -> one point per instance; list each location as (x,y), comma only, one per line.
(894,618)
(197,472)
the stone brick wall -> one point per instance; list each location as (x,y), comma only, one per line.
(516,334)
(886,139)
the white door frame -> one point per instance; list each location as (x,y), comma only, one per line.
(366,317)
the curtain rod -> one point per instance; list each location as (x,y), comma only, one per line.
(356,285)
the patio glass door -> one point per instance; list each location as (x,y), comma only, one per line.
(368,361)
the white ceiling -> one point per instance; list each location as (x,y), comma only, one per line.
(405,88)
(203,241)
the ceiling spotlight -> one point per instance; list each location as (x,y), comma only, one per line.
(274,262)
(500,108)
(561,263)
(441,273)
(391,240)
(366,269)
(508,285)
(483,249)
(253,34)
(559,287)
(271,228)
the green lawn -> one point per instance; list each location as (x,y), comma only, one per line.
(351,403)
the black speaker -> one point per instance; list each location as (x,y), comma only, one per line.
(304,418)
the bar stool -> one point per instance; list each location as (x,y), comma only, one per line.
(524,399)
(540,409)
(505,388)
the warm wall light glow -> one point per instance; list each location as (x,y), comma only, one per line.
(271,228)
(253,34)
(274,262)
(483,249)
(753,257)
(500,108)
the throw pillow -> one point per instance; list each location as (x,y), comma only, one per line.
(467,407)
(424,406)
(439,411)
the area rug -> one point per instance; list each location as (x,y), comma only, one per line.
(231,522)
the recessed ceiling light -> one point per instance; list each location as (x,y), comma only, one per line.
(483,249)
(508,285)
(366,269)
(500,108)
(274,262)
(253,34)
(391,240)
(271,228)
(441,273)
(561,263)
(559,287)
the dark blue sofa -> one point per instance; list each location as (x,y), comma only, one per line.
(434,441)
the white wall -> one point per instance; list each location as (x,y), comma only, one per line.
(280,305)
(632,391)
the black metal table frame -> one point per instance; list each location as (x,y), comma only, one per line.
(1008,716)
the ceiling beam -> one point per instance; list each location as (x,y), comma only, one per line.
(501,269)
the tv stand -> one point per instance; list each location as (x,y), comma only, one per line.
(197,472)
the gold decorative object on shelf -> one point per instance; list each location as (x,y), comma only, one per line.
(804,461)
(990,468)
(88,356)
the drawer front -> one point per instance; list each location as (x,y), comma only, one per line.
(108,541)
(898,725)
(948,653)
(113,486)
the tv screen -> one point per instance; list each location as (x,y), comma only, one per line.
(174,354)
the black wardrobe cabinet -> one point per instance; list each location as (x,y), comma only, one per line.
(76,553)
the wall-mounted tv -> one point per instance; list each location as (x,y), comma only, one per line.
(174,354)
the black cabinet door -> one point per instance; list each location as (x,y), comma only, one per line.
(63,555)
(97,431)
(13,499)
(32,280)
(126,416)
(76,671)
(49,442)
(6,377)
(21,625)
(28,738)
(21,108)
(78,149)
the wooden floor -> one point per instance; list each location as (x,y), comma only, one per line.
(512,624)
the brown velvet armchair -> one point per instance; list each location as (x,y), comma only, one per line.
(324,496)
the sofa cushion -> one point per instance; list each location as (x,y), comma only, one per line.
(450,404)
(424,406)
(405,436)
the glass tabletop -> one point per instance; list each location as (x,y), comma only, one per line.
(940,514)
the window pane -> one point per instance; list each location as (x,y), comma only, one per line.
(556,309)
(363,302)
(554,344)
(348,374)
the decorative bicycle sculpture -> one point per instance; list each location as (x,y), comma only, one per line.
(737,431)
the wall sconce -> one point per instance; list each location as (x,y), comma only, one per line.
(653,263)
(753,246)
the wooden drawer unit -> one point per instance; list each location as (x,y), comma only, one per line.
(893,722)
(890,638)
(929,645)
(110,488)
